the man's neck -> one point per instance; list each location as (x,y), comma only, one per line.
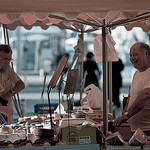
(144,68)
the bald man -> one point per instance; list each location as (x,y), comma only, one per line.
(137,109)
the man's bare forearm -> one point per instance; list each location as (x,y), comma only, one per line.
(139,102)
(19,86)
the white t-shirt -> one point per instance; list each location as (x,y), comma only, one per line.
(7,79)
(141,80)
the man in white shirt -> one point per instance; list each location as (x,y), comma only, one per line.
(9,80)
(137,109)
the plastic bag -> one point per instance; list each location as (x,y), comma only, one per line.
(94,98)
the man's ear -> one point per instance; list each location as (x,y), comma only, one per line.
(147,54)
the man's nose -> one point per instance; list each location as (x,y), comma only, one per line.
(132,57)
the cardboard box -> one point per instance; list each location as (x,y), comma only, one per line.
(44,108)
(80,136)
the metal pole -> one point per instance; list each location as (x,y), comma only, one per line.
(19,51)
(81,69)
(105,80)
(110,85)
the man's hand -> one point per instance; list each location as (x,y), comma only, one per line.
(120,119)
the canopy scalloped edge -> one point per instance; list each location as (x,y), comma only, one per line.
(43,16)
(29,19)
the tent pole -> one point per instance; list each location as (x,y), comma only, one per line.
(81,69)
(110,86)
(105,80)
(19,51)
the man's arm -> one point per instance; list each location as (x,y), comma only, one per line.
(136,106)
(18,86)
(16,89)
(139,102)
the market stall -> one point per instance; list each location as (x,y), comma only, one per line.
(76,16)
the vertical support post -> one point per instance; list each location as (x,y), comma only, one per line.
(81,68)
(19,51)
(105,80)
(110,86)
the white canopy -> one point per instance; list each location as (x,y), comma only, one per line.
(75,14)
